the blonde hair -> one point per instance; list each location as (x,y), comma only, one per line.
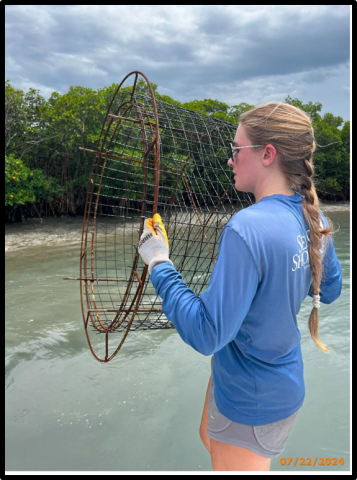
(289,129)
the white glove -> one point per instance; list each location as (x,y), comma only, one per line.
(153,245)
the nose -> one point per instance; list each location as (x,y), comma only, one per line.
(230,163)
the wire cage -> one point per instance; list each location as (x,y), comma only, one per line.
(151,157)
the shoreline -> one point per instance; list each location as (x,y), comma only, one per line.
(56,231)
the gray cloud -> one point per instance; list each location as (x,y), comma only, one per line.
(232,53)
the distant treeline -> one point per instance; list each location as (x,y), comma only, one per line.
(47,174)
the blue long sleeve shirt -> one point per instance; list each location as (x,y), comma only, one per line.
(246,317)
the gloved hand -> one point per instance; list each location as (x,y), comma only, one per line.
(154,245)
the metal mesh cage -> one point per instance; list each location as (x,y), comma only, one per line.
(151,157)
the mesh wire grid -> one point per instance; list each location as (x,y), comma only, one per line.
(151,157)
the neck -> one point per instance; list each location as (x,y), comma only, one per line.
(272,187)
(288,192)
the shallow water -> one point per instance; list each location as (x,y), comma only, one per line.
(141,412)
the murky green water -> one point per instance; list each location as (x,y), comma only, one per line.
(142,411)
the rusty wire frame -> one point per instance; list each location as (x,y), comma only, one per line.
(151,157)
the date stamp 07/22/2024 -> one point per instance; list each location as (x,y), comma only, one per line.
(309,462)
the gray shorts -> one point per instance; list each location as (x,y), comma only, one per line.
(267,440)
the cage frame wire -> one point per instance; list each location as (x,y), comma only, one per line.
(149,125)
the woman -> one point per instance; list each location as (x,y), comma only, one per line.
(271,256)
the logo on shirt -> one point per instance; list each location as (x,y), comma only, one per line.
(301,259)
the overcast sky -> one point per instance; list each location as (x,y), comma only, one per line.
(232,53)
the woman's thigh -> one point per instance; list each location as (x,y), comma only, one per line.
(226,457)
(203,427)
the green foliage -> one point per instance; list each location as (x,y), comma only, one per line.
(217,109)
(236,111)
(43,162)
(332,155)
(24,126)
(23,185)
(207,106)
(15,124)
(167,99)
(311,108)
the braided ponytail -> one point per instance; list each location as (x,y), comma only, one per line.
(290,130)
(310,204)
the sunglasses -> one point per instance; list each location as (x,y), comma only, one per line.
(234,149)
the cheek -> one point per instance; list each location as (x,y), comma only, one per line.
(245,173)
(244,167)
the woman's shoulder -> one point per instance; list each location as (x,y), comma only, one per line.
(246,222)
(266,220)
(248,216)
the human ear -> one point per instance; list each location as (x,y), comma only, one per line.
(269,154)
